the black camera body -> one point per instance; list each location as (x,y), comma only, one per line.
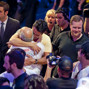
(53,60)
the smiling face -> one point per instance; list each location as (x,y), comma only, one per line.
(76,29)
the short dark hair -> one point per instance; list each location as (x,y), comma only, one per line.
(17,56)
(4,5)
(3,80)
(61,10)
(65,64)
(35,82)
(76,18)
(40,25)
(85,49)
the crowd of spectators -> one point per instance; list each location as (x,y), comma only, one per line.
(49,53)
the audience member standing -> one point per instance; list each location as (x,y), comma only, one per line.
(65,67)
(50,19)
(81,68)
(65,43)
(39,27)
(8,27)
(62,24)
(14,62)
(26,34)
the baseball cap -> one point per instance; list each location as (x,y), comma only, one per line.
(66,63)
(83,83)
(84,46)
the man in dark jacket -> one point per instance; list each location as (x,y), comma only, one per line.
(8,27)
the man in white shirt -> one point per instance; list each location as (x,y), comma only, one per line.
(81,68)
(26,34)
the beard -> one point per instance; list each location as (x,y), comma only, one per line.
(9,70)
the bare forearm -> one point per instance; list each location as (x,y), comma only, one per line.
(54,4)
(19,42)
(61,3)
(48,73)
(86,25)
(81,2)
(42,61)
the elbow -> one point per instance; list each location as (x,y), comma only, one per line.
(12,41)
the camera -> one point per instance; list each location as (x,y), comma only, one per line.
(53,60)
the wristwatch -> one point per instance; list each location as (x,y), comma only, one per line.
(36,61)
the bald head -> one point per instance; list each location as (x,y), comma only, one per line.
(26,34)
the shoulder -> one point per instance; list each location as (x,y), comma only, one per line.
(63,34)
(49,80)
(40,45)
(56,27)
(13,20)
(84,36)
(44,36)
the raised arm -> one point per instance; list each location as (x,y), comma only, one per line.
(80,4)
(16,41)
(54,5)
(86,26)
(61,3)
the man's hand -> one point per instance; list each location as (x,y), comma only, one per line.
(35,48)
(29,60)
(9,44)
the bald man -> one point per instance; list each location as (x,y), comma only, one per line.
(26,34)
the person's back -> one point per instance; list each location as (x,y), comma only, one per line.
(65,67)
(61,83)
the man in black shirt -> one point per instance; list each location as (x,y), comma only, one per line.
(62,24)
(64,81)
(65,43)
(13,62)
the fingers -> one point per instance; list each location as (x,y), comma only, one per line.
(26,62)
(36,50)
(9,44)
(27,55)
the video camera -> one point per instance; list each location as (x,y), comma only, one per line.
(53,60)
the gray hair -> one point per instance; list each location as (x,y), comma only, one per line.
(24,38)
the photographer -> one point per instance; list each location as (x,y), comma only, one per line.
(65,67)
